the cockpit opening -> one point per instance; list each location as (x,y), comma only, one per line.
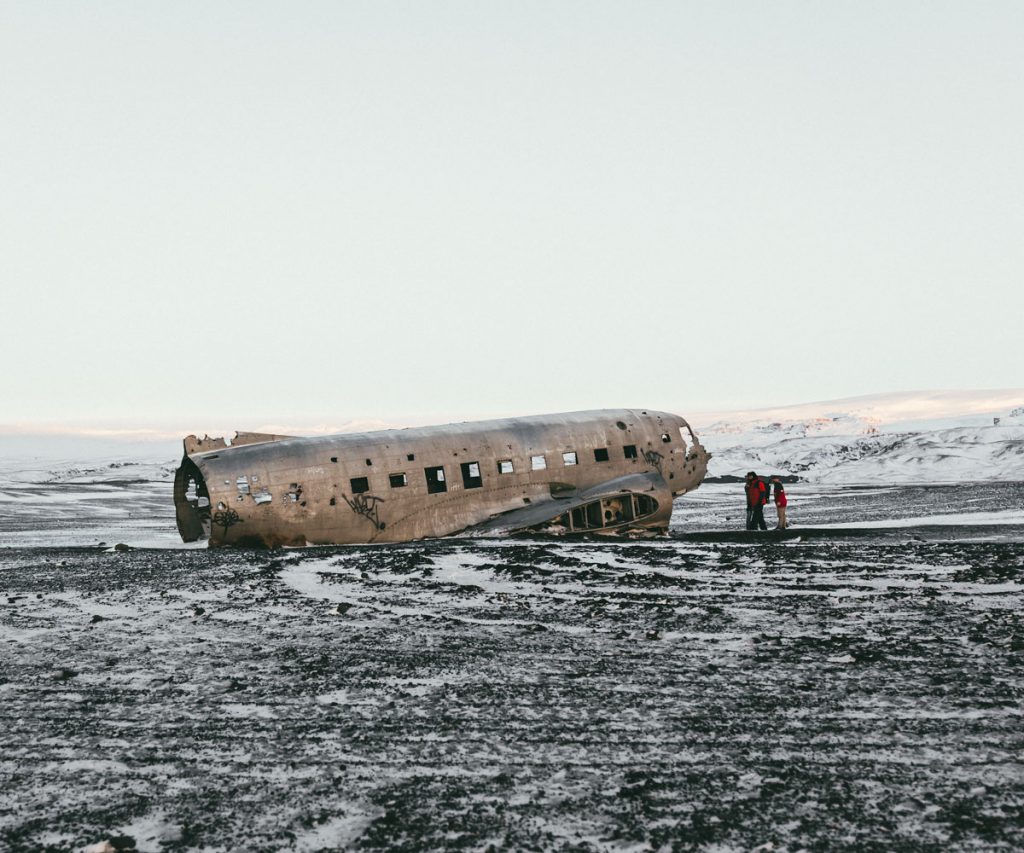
(191,502)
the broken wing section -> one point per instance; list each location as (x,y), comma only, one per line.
(633,502)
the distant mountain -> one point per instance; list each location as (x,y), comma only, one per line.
(931,437)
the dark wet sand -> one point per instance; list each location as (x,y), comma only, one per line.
(844,690)
(856,692)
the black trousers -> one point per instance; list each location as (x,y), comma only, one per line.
(755,518)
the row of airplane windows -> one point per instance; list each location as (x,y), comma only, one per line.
(471,476)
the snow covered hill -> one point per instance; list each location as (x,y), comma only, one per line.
(929,437)
(917,437)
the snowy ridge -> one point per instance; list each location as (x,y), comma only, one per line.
(894,411)
(917,437)
(910,438)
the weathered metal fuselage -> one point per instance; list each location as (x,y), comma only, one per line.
(400,485)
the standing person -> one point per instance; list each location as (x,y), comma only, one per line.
(780,502)
(757,497)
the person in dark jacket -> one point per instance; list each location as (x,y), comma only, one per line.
(757,497)
(779,494)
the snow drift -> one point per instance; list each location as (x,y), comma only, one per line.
(928,437)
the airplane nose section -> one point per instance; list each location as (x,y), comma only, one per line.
(695,466)
(700,458)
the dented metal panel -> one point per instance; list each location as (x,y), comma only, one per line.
(400,485)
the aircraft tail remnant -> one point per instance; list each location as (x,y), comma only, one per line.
(605,471)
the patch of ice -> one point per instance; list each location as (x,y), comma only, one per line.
(306,578)
(248,710)
(466,568)
(94,765)
(10,634)
(151,832)
(1000,517)
(337,833)
(335,697)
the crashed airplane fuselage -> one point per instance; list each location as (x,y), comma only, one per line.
(605,471)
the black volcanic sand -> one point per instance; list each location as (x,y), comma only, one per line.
(856,693)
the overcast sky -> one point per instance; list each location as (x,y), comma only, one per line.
(312,212)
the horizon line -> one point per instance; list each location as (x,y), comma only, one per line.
(919,404)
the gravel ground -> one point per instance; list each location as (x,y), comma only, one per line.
(832,692)
(862,693)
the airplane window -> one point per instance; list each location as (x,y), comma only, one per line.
(630,451)
(645,505)
(359,485)
(569,457)
(600,454)
(398,480)
(471,478)
(538,463)
(435,480)
(505,466)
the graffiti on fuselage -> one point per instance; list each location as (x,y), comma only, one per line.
(367,507)
(654,458)
(226,518)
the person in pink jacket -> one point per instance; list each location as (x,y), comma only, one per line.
(779,493)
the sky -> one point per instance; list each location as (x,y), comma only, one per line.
(255,213)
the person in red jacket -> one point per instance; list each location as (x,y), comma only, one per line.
(780,502)
(757,497)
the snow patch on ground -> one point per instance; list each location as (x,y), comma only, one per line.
(339,832)
(1010,516)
